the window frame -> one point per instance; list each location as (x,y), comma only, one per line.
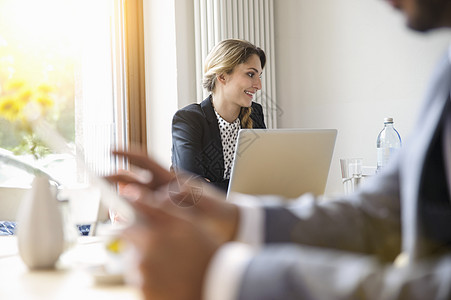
(135,75)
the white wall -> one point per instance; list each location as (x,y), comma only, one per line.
(347,64)
(161,75)
(169,69)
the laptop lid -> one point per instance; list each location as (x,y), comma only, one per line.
(287,162)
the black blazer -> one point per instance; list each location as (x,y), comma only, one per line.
(196,141)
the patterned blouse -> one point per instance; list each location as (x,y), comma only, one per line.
(229,135)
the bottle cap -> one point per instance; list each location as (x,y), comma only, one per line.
(388,120)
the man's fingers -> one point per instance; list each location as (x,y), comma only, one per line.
(160,176)
(124,178)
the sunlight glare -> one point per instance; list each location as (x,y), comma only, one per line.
(35,36)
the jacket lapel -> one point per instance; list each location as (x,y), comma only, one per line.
(214,134)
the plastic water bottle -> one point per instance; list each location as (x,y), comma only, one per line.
(388,141)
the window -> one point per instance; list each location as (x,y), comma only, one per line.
(90,55)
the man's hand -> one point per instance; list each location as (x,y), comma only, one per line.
(159,176)
(207,206)
(182,221)
(171,192)
(173,254)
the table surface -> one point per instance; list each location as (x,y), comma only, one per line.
(73,278)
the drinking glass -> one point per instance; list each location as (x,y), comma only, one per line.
(351,173)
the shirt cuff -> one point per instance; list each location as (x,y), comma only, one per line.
(252,215)
(225,271)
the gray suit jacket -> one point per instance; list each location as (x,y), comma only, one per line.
(345,249)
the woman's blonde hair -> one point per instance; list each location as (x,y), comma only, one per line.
(222,59)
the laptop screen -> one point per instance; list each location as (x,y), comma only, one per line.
(286,162)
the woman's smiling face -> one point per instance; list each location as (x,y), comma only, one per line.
(240,86)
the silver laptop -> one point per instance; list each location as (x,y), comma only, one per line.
(287,162)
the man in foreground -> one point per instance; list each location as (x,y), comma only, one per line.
(390,240)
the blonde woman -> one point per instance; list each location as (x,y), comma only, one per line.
(204,135)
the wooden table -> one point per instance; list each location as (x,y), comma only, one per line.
(73,278)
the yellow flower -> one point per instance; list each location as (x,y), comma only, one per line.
(21,104)
(10,109)
(14,84)
(20,100)
(44,88)
(44,101)
(24,96)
